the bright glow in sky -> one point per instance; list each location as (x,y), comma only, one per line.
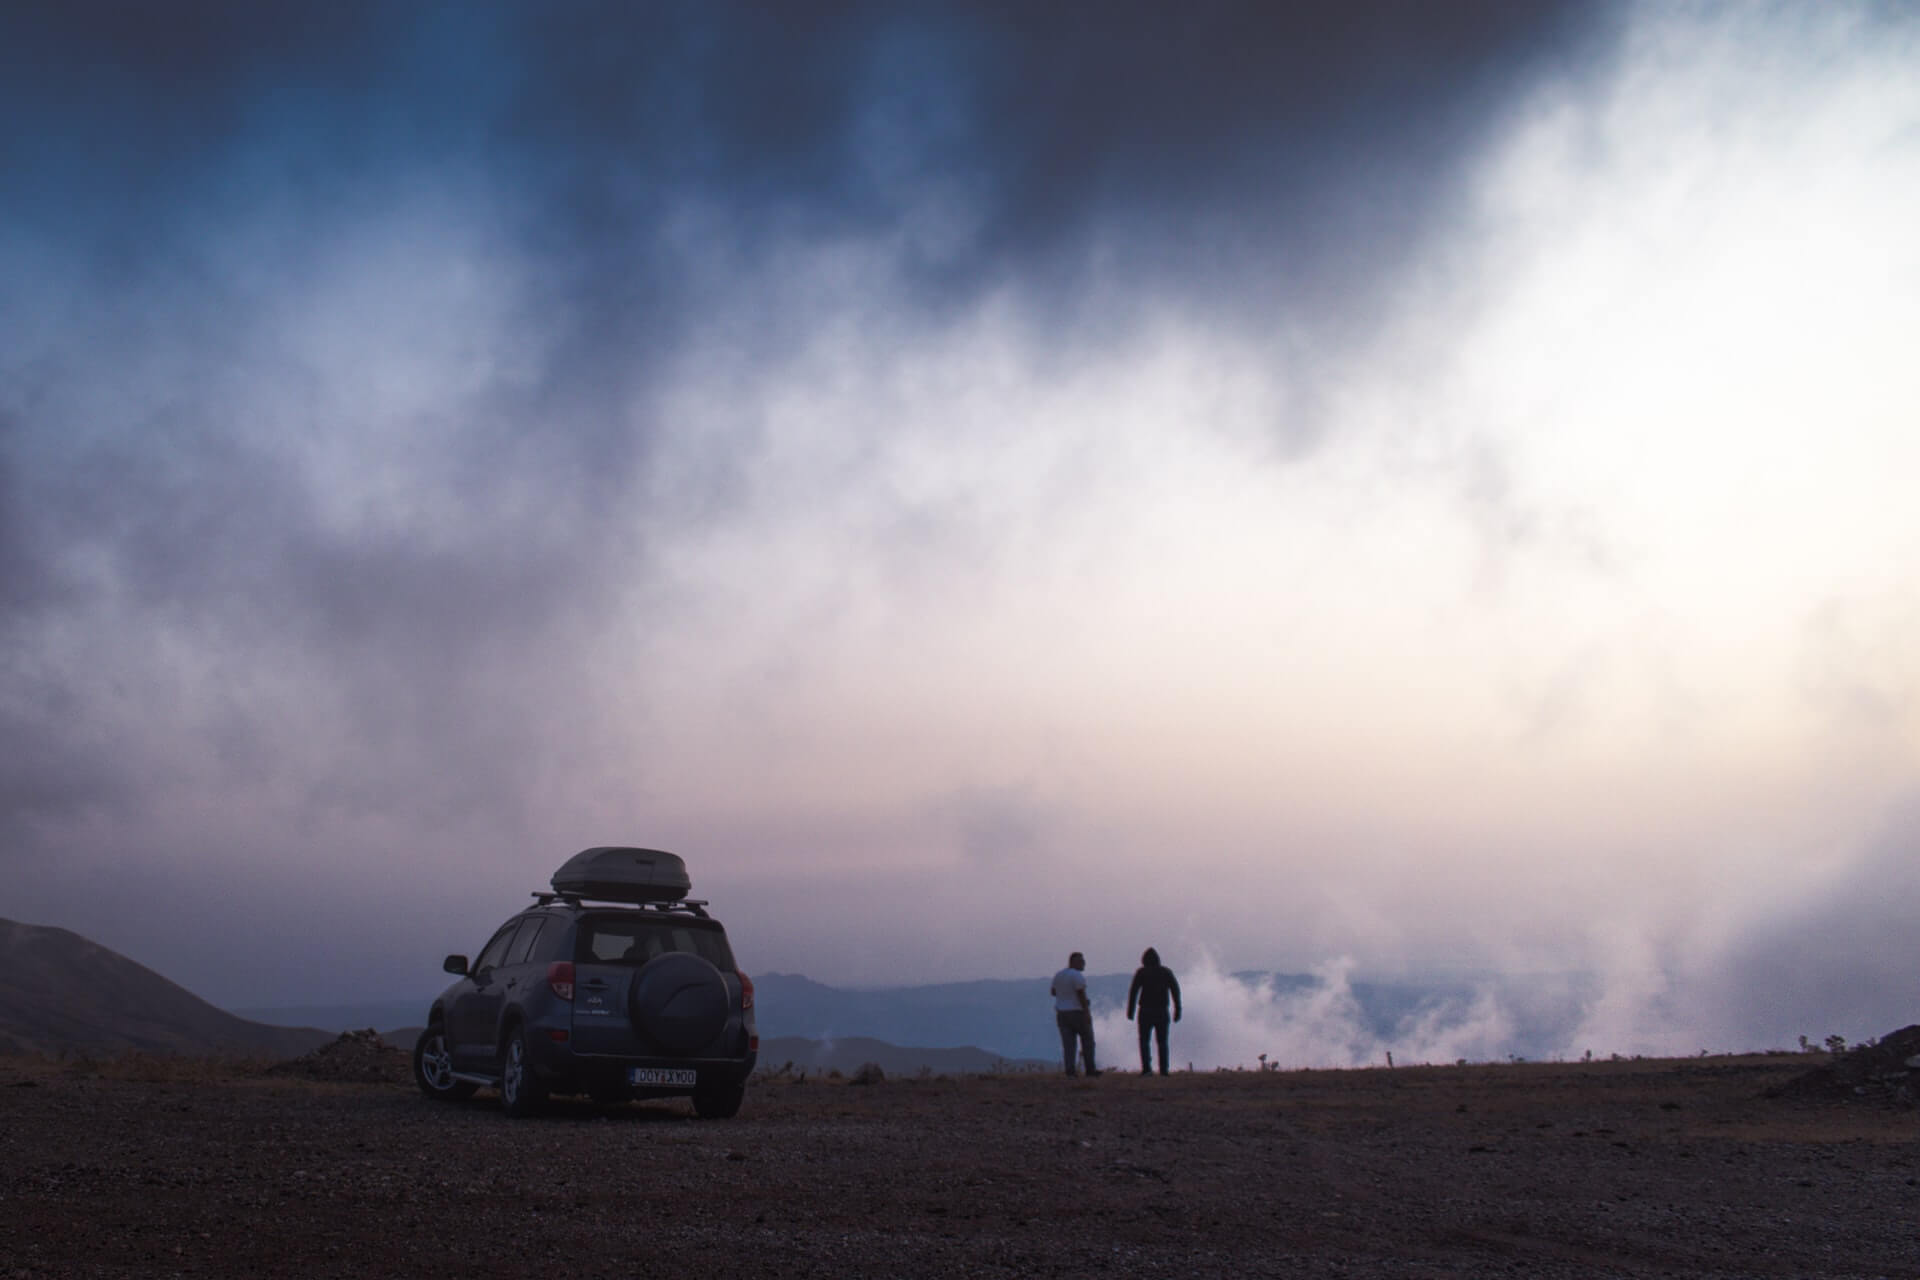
(1454,520)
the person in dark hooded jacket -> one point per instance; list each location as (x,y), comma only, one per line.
(1153,985)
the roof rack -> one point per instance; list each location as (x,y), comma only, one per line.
(688,906)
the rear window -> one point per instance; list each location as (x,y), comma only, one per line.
(636,939)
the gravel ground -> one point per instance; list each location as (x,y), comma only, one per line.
(155,1167)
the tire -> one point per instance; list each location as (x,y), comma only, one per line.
(433,1067)
(679,1003)
(719,1102)
(521,1092)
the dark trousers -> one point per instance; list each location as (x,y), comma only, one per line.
(1153,1024)
(1075,1025)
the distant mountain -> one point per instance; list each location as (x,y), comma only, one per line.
(60,993)
(1014,1017)
(382,1016)
(854,1052)
(1009,1017)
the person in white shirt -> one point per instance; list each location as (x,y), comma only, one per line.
(1072,1012)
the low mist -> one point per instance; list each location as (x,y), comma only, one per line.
(1246,1021)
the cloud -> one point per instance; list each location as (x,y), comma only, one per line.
(899,452)
(1837,955)
(1241,1022)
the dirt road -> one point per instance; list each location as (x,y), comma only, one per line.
(1606,1169)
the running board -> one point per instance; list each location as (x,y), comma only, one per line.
(472,1077)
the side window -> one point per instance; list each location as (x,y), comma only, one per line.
(523,941)
(496,950)
(553,943)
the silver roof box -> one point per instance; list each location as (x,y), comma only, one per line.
(613,873)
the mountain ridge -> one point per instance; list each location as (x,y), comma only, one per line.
(63,993)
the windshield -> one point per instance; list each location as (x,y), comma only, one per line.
(636,939)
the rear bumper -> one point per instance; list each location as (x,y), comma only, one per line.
(560,1064)
(562,1071)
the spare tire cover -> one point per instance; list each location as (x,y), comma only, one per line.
(679,1001)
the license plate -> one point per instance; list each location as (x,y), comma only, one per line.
(673,1077)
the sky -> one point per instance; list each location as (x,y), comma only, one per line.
(1371,488)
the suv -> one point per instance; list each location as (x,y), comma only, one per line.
(615,985)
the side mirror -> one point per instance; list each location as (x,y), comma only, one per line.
(455,964)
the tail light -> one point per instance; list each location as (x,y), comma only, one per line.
(746,992)
(560,978)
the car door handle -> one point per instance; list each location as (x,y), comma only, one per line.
(598,984)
